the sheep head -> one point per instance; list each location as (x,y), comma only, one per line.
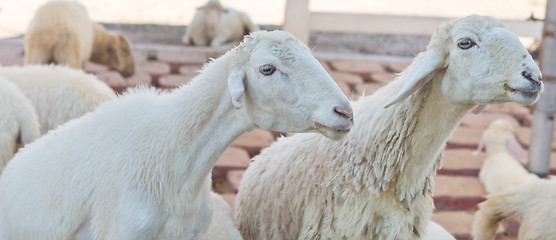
(482,62)
(500,136)
(274,74)
(112,49)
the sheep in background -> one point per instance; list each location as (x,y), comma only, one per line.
(501,170)
(62,33)
(19,124)
(58,93)
(515,193)
(139,166)
(216,25)
(533,202)
(377,182)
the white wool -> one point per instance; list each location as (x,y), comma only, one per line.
(533,203)
(18,122)
(58,93)
(222,223)
(216,25)
(138,167)
(377,182)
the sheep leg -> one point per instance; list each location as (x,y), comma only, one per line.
(489,215)
(67,55)
(37,55)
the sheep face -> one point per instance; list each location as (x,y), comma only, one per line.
(480,61)
(487,64)
(116,54)
(282,78)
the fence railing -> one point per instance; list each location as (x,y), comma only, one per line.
(300,21)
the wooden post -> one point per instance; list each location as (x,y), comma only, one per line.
(543,118)
(296,20)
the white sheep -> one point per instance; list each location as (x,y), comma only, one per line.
(377,182)
(58,93)
(502,169)
(515,193)
(62,33)
(19,123)
(221,225)
(216,25)
(139,166)
(533,202)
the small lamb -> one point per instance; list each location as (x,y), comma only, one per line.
(62,33)
(502,169)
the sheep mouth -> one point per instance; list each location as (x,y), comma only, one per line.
(332,129)
(522,92)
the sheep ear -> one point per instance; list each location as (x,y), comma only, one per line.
(419,73)
(236,87)
(480,147)
(516,150)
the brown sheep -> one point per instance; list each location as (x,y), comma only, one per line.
(62,33)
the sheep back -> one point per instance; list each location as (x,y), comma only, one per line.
(58,93)
(61,33)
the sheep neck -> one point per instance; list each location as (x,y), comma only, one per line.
(435,122)
(403,151)
(204,124)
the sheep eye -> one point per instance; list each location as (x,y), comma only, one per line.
(466,43)
(267,69)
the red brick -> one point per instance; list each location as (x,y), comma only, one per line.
(154,69)
(173,81)
(11,54)
(460,161)
(234,178)
(397,67)
(233,158)
(464,137)
(95,68)
(518,111)
(177,59)
(254,141)
(367,88)
(325,65)
(360,67)
(351,80)
(483,120)
(113,79)
(382,77)
(230,198)
(190,71)
(139,78)
(139,56)
(346,89)
(459,224)
(457,192)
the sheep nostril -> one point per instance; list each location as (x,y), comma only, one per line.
(344,113)
(530,77)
